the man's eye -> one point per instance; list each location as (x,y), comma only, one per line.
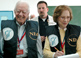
(18,11)
(39,8)
(62,17)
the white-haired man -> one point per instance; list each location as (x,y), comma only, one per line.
(20,36)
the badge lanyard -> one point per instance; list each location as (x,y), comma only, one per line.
(21,39)
(62,44)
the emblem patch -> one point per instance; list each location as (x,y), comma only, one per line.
(72,40)
(53,39)
(8,33)
(33,33)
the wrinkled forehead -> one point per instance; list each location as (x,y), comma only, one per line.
(22,5)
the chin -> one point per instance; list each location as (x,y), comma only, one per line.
(21,23)
(65,26)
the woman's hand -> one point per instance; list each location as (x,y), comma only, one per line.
(58,53)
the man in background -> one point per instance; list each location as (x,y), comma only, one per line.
(43,19)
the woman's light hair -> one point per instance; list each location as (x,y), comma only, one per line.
(58,11)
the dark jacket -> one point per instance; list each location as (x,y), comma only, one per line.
(10,46)
(71,36)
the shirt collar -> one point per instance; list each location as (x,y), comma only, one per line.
(43,19)
(64,28)
(19,24)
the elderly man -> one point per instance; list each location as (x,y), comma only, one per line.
(20,36)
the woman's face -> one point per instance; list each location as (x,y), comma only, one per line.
(64,19)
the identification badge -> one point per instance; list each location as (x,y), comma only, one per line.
(19,51)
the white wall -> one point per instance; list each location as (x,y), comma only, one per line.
(10,4)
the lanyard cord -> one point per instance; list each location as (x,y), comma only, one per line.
(21,38)
(62,44)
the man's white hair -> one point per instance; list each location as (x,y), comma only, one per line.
(21,2)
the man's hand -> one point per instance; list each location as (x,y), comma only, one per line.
(43,38)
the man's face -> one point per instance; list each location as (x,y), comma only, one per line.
(42,10)
(21,13)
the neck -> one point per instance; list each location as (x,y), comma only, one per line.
(21,23)
(43,17)
(62,27)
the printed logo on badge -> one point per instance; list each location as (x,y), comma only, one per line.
(20,52)
(72,40)
(33,33)
(53,39)
(8,33)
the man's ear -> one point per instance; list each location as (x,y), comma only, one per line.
(14,12)
(47,9)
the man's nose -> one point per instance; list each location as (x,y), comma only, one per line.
(21,13)
(41,9)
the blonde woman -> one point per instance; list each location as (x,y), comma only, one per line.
(63,38)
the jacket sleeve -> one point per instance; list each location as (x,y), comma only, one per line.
(1,53)
(39,47)
(1,45)
(47,52)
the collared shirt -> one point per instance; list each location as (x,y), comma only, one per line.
(63,29)
(43,20)
(49,54)
(23,44)
(62,34)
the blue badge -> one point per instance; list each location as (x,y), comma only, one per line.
(8,33)
(53,40)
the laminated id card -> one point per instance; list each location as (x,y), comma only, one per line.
(19,51)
